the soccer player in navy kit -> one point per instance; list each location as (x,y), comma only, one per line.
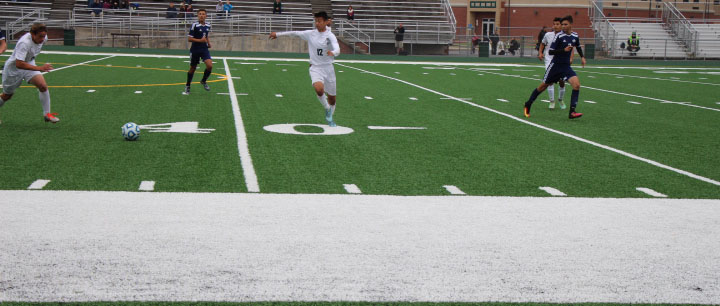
(559,69)
(198,36)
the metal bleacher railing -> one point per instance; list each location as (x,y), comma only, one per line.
(681,27)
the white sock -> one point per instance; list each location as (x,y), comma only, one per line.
(551,92)
(332,109)
(45,99)
(323,101)
(561,94)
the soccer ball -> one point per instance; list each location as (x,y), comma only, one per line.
(130,131)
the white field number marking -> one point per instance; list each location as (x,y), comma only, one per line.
(290,128)
(190,127)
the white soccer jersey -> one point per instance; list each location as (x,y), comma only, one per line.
(319,43)
(25,50)
(547,40)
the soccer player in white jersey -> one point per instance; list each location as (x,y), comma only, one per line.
(545,55)
(323,48)
(21,67)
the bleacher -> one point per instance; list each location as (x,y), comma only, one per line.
(655,41)
(290,7)
(709,40)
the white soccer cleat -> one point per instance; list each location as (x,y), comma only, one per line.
(186,91)
(50,117)
(552,104)
(562,104)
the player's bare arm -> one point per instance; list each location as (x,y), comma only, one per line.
(24,65)
(273,35)
(541,56)
(3,46)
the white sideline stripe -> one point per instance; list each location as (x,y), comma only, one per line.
(453,190)
(651,192)
(630,155)
(413,98)
(653,78)
(38,184)
(552,191)
(78,64)
(352,188)
(633,102)
(91,90)
(373,127)
(248,170)
(138,92)
(368,98)
(616,92)
(546,101)
(591,102)
(147,186)
(279,95)
(227,93)
(503,100)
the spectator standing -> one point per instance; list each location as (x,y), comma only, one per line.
(171,11)
(183,8)
(350,13)
(189,12)
(494,38)
(227,7)
(474,43)
(399,37)
(543,31)
(219,12)
(277,7)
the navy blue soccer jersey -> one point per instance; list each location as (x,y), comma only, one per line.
(562,40)
(2,35)
(198,31)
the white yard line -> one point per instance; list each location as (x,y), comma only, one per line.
(78,64)
(251,180)
(651,78)
(552,191)
(76,246)
(615,92)
(630,155)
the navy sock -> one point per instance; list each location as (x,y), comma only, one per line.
(533,96)
(206,75)
(189,78)
(574,98)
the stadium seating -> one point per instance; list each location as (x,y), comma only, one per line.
(254,7)
(655,41)
(709,40)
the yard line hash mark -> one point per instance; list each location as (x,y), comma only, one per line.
(251,181)
(553,192)
(352,188)
(522,120)
(453,190)
(147,186)
(651,192)
(38,184)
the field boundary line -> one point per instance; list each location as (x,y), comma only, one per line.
(590,142)
(651,78)
(608,91)
(251,181)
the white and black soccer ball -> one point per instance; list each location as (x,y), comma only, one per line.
(131,131)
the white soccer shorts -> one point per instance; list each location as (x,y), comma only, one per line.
(12,80)
(326,75)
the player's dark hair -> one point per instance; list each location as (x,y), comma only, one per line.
(558,19)
(38,27)
(202,10)
(568,18)
(322,14)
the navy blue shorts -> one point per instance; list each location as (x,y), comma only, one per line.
(557,72)
(196,56)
